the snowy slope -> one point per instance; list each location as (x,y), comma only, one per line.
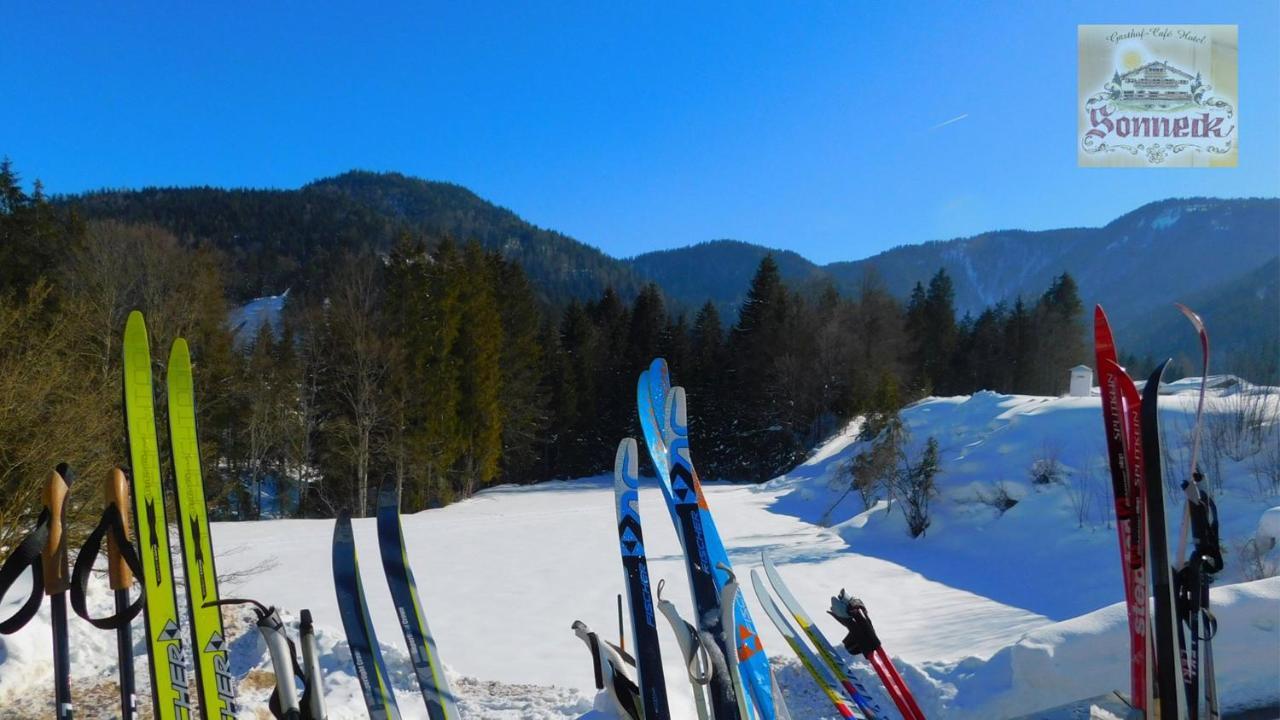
(247,320)
(989,615)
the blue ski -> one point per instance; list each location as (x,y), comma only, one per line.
(413,622)
(671,415)
(370,670)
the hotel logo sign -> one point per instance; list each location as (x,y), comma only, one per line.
(1158,96)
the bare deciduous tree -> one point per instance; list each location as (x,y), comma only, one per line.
(353,316)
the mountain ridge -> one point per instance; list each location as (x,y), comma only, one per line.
(1134,264)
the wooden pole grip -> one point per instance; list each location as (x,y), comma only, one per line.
(117,490)
(57,575)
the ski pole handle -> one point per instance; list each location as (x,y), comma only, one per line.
(117,493)
(273,633)
(313,707)
(57,578)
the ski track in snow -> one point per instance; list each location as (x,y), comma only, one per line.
(968,611)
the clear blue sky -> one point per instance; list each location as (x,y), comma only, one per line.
(808,126)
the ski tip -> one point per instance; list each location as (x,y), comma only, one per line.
(626,463)
(1192,315)
(658,368)
(344,536)
(135,327)
(1152,389)
(179,353)
(1158,374)
(642,390)
(678,407)
(388,496)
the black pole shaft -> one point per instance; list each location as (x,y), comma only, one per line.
(622,635)
(124,652)
(61,657)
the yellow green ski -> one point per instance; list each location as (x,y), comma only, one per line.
(214,681)
(170,689)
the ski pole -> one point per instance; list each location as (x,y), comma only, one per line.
(313,707)
(284,658)
(117,492)
(622,636)
(56,582)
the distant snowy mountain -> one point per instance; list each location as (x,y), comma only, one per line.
(1218,255)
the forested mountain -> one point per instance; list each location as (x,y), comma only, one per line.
(719,271)
(1136,266)
(1245,328)
(277,239)
(1142,260)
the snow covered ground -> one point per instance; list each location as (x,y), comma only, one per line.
(989,615)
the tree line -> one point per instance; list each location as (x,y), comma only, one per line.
(437,366)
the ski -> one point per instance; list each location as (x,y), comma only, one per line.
(820,673)
(423,653)
(166,656)
(1168,654)
(1194,574)
(682,498)
(644,627)
(1128,492)
(671,413)
(375,683)
(215,684)
(826,651)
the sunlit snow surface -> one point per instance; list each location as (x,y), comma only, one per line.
(989,615)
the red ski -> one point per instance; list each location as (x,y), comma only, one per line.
(1122,423)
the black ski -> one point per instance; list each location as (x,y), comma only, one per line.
(1168,686)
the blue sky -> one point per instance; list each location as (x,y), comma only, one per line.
(808,126)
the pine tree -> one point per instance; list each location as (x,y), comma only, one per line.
(1020,348)
(940,334)
(574,393)
(478,350)
(1061,334)
(706,385)
(763,441)
(524,397)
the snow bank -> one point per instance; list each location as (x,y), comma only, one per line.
(1086,656)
